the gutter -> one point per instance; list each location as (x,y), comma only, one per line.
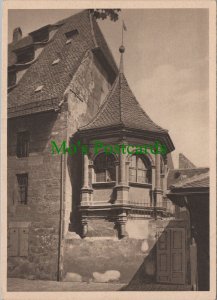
(61,224)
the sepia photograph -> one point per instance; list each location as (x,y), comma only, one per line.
(108,135)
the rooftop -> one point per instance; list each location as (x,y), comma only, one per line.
(178,177)
(40,70)
(197,181)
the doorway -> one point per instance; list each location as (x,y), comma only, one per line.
(171,256)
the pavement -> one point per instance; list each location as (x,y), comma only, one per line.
(24,285)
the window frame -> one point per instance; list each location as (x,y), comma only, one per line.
(146,169)
(105,170)
(22,147)
(22,188)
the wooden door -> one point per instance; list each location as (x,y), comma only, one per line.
(171,256)
(177,255)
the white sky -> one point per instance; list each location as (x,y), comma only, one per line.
(166,65)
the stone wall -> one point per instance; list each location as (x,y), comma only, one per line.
(102,257)
(84,95)
(42,211)
(41,215)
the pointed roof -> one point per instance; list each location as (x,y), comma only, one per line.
(121,108)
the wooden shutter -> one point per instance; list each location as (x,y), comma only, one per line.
(178,255)
(23,238)
(163,257)
(13,249)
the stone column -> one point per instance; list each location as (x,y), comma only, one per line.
(158,190)
(116,172)
(153,184)
(122,188)
(85,171)
(86,196)
(127,172)
(157,173)
(86,190)
(122,169)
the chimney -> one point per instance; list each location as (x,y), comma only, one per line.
(17,34)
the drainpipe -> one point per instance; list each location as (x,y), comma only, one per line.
(60,250)
(193,250)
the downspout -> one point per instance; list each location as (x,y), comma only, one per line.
(61,225)
(193,249)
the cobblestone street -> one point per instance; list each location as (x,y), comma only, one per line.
(24,285)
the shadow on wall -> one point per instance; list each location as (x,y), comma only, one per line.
(148,270)
(74,164)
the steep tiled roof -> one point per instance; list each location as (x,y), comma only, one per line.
(121,108)
(55,78)
(197,181)
(177,176)
(184,162)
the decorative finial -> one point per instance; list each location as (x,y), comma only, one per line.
(122,48)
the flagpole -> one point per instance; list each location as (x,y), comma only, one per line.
(122,32)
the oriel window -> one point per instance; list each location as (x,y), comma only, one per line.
(104,166)
(139,169)
(22,180)
(23,144)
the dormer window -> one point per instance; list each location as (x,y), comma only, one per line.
(56,61)
(25,55)
(40,35)
(11,78)
(70,35)
(39,89)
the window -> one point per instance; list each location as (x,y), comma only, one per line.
(139,169)
(25,55)
(39,88)
(56,61)
(22,180)
(104,166)
(23,144)
(70,35)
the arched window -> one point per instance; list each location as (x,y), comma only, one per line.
(139,169)
(104,167)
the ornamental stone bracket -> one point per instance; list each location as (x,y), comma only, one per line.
(121,220)
(84,223)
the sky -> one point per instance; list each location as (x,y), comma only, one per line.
(166,65)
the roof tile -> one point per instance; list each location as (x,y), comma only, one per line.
(41,72)
(121,108)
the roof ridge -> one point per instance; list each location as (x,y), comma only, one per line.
(120,96)
(183,169)
(63,21)
(140,107)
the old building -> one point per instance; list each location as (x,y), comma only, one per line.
(94,216)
